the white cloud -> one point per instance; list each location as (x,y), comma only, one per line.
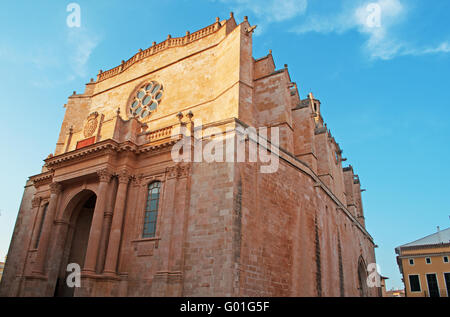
(71,57)
(382,41)
(81,45)
(444,47)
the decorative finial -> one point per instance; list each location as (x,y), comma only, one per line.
(270,52)
(123,62)
(179,116)
(187,33)
(100,71)
(74,92)
(231,14)
(169,37)
(190,115)
(246,18)
(71,129)
(217,19)
(140,50)
(92,80)
(118,111)
(154,43)
(285,66)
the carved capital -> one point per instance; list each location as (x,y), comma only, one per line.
(184,170)
(178,171)
(136,180)
(104,175)
(36,202)
(124,176)
(171,172)
(55,188)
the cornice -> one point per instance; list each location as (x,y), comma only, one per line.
(425,246)
(423,254)
(100,148)
(105,147)
(156,48)
(89,151)
(156,147)
(42,179)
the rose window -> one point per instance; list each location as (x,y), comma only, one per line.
(146,100)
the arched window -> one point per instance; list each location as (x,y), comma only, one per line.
(41,225)
(151,210)
(362,277)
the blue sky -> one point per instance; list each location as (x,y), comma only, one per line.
(384,90)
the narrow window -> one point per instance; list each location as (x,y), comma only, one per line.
(414,283)
(428,260)
(41,225)
(447,282)
(151,210)
(411,261)
(445,259)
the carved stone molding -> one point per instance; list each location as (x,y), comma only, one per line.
(178,171)
(145,247)
(55,188)
(124,176)
(36,202)
(156,48)
(184,170)
(104,175)
(137,180)
(171,172)
(42,179)
(168,276)
(61,223)
(150,179)
(91,125)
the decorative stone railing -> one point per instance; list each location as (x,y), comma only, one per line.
(159,134)
(156,48)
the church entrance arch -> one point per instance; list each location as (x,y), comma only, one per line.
(82,208)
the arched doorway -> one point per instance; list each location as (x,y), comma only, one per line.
(77,239)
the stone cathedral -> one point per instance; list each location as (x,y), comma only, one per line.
(112,200)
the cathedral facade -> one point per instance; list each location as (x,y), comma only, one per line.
(112,200)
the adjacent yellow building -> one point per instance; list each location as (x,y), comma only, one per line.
(425,265)
(2,266)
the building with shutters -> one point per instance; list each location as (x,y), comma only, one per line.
(425,265)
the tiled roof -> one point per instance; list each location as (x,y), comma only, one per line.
(442,236)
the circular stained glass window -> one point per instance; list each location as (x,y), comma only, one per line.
(146,100)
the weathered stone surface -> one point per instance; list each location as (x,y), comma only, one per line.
(222,228)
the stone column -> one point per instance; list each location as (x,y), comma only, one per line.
(117,223)
(109,208)
(55,190)
(97,222)
(36,204)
